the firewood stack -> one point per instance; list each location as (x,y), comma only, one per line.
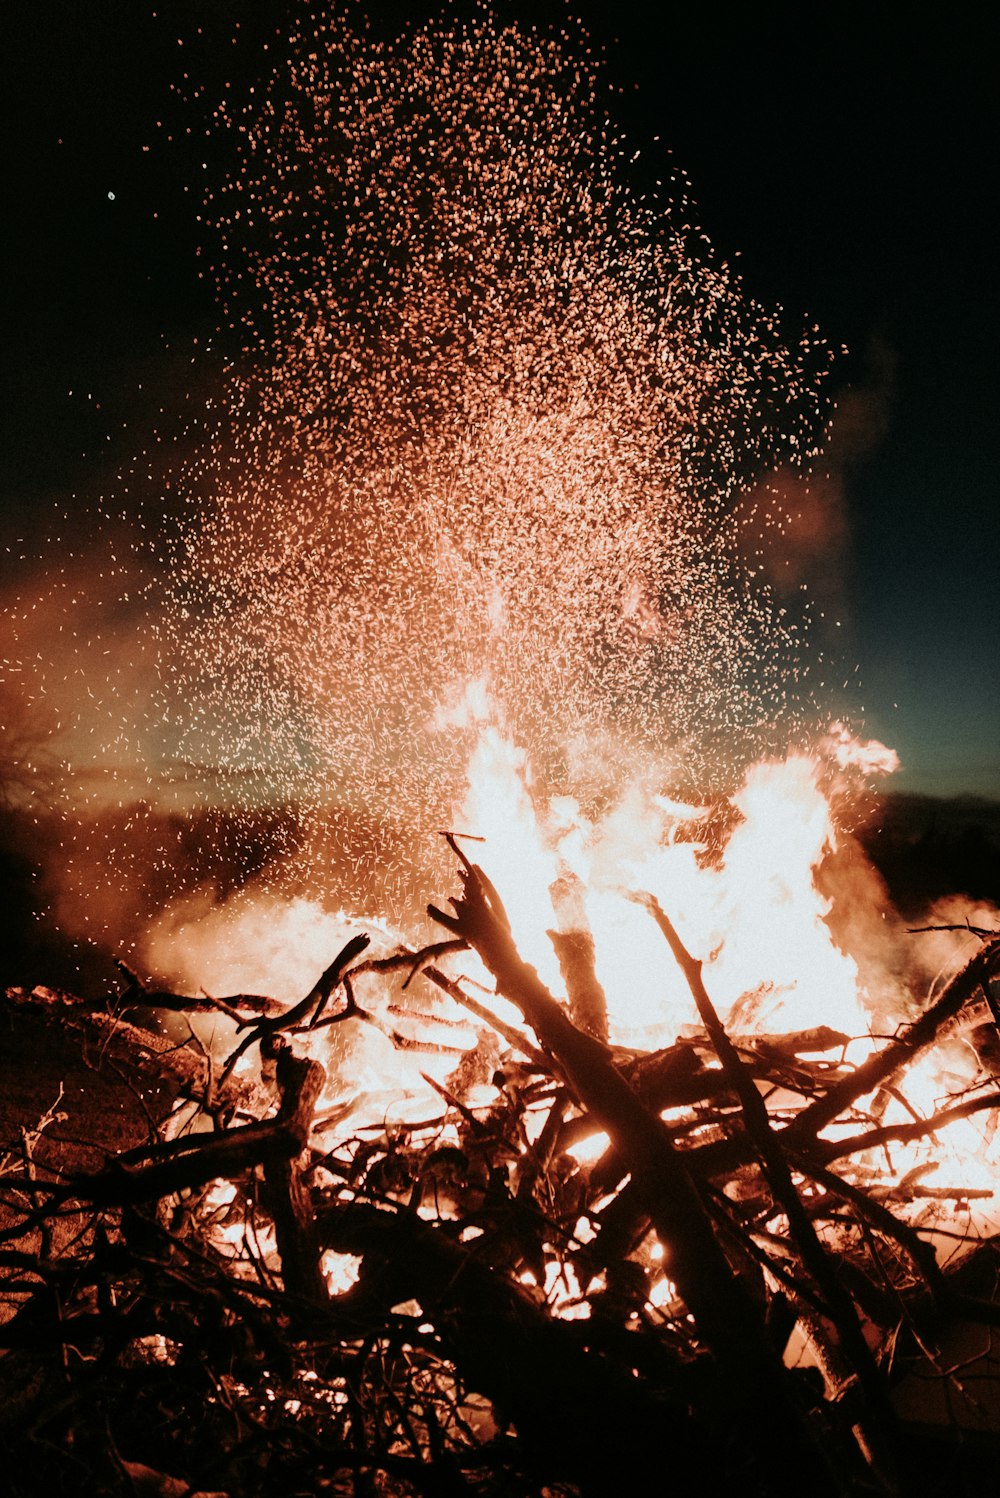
(269,1296)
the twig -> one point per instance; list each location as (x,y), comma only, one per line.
(884,1064)
(308,1009)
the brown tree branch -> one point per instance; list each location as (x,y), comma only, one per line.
(884,1064)
(724,1313)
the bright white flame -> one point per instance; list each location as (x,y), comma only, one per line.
(755,918)
(340,1271)
(517,858)
(868,756)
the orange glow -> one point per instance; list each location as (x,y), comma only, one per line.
(748,906)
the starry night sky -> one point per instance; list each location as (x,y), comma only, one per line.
(845,152)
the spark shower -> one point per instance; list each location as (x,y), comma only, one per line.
(496,422)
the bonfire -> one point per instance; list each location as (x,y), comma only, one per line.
(644,1152)
(534,1256)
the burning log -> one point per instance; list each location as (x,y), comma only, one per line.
(574,946)
(722,1309)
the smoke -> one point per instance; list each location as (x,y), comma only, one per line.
(247,944)
(79,680)
(947,944)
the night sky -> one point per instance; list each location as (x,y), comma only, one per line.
(846,153)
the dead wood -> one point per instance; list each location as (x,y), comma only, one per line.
(723,1311)
(777,1171)
(153,1171)
(455,1363)
(300,1082)
(237,1006)
(883,1065)
(547,1376)
(307,1012)
(109,1040)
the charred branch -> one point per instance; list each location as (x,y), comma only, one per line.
(206,1275)
(883,1065)
(723,1311)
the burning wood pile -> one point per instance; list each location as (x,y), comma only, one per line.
(589,1265)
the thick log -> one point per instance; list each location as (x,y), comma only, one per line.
(300,1082)
(575,950)
(726,1317)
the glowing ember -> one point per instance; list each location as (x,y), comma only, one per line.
(496,418)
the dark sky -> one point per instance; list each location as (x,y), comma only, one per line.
(846,152)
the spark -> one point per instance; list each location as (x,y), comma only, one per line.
(493,420)
(494,417)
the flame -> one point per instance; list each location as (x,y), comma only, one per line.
(848,752)
(264,944)
(745,900)
(499,807)
(750,910)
